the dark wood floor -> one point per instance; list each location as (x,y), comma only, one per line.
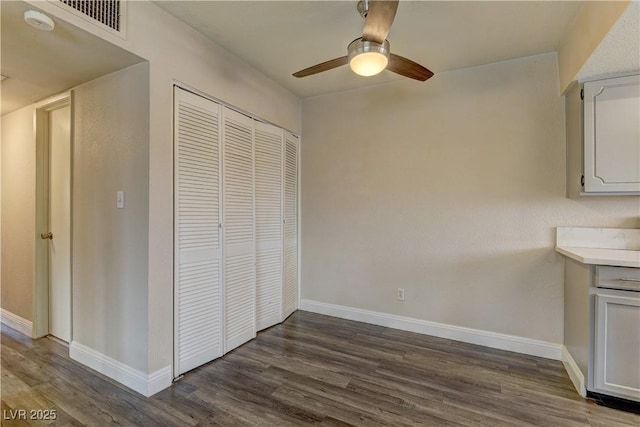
(312,369)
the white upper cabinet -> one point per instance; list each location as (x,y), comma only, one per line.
(612,135)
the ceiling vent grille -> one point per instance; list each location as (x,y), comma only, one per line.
(107,12)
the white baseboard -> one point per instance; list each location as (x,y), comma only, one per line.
(145,384)
(16,322)
(159,380)
(473,336)
(575,374)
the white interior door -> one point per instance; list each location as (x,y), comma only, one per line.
(239,269)
(268,201)
(197,331)
(60,222)
(290,296)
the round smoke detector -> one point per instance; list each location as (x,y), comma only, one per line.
(38,20)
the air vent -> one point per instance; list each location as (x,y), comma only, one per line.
(107,12)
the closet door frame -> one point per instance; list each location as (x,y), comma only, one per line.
(298,216)
(176,84)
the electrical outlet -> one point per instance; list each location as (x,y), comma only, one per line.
(400,294)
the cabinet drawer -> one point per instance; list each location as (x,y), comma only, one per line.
(618,278)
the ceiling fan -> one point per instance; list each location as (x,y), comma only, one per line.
(370,54)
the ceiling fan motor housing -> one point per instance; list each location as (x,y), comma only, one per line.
(359,46)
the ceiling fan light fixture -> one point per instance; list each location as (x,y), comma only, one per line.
(370,54)
(368,58)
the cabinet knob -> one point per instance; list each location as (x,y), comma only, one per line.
(46,236)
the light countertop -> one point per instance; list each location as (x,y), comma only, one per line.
(618,247)
(598,256)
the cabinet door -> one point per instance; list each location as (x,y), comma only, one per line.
(197,238)
(617,341)
(290,296)
(612,135)
(268,198)
(239,269)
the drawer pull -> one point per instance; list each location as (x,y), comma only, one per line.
(626,279)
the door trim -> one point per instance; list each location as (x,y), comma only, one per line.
(41,283)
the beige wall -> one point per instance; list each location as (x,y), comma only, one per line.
(176,52)
(111,153)
(109,252)
(188,57)
(591,25)
(450,189)
(18,211)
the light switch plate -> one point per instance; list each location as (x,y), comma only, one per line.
(120,199)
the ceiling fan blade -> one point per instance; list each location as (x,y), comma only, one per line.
(325,66)
(408,68)
(378,22)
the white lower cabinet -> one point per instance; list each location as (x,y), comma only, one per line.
(617,343)
(235,228)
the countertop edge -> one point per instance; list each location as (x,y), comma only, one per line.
(610,260)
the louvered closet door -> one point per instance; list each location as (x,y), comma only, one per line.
(197,235)
(268,197)
(238,225)
(290,290)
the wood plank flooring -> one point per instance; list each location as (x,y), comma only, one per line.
(312,369)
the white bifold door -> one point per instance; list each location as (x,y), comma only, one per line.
(238,225)
(290,287)
(276,198)
(197,255)
(235,228)
(269,220)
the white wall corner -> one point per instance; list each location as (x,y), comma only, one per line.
(145,384)
(473,336)
(16,322)
(575,374)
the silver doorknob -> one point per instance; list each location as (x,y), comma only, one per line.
(46,236)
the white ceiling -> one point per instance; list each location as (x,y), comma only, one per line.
(281,37)
(619,51)
(39,64)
